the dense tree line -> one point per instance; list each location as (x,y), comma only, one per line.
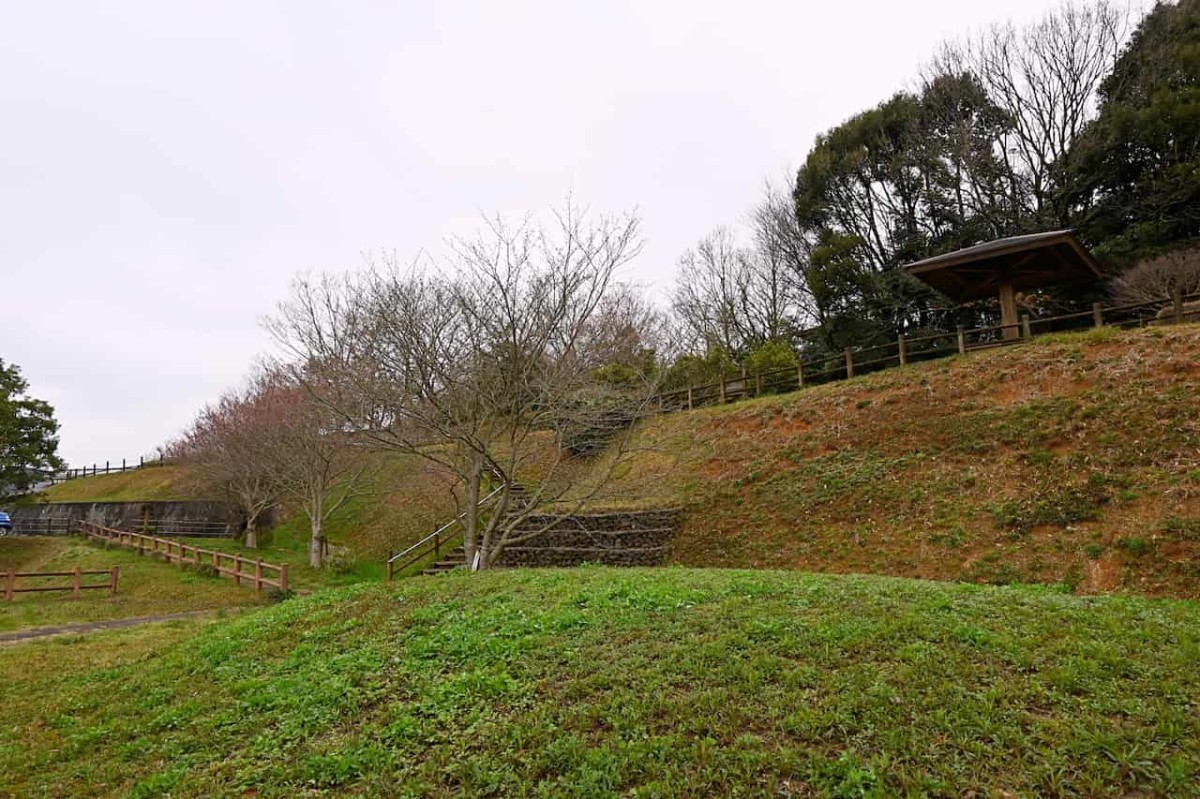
(1080,120)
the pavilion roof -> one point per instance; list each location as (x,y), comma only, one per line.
(1027,262)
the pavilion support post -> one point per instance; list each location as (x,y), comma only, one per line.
(1008,312)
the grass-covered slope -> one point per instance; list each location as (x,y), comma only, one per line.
(146,586)
(1073,459)
(156,482)
(599,682)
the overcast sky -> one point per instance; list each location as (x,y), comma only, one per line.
(166,167)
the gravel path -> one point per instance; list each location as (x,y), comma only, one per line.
(93,626)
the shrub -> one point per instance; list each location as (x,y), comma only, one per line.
(771,356)
(1158,278)
(1134,546)
(1060,508)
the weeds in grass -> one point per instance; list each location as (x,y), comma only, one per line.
(602,682)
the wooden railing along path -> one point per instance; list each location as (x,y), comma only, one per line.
(243,571)
(77,584)
(433,543)
(903,351)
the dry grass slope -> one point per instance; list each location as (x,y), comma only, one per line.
(1075,459)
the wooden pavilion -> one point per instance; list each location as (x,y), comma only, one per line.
(1005,266)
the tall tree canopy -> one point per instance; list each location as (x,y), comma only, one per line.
(28,435)
(1135,171)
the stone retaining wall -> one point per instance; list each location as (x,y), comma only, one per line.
(626,538)
(166,518)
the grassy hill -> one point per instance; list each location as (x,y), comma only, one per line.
(599,682)
(1074,459)
(155,482)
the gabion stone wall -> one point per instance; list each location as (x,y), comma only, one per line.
(625,538)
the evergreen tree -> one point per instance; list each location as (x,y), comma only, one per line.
(1134,174)
(28,435)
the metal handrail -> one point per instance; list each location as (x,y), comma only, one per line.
(434,537)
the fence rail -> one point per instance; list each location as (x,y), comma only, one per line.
(77,585)
(432,544)
(243,571)
(109,467)
(855,361)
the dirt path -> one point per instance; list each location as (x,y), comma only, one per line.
(94,626)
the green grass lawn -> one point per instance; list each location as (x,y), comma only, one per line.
(146,587)
(605,682)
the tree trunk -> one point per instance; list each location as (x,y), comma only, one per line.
(252,532)
(470,520)
(316,544)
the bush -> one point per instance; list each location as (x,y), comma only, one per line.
(773,355)
(276,595)
(1060,508)
(1158,278)
(1134,546)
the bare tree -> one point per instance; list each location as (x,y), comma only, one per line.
(481,369)
(1046,77)
(222,449)
(734,297)
(305,451)
(1161,278)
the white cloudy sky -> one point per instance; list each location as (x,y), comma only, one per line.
(166,167)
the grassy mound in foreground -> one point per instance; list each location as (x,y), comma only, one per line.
(600,682)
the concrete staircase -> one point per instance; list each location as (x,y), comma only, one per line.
(453,559)
(620,538)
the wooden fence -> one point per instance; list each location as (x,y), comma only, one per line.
(243,571)
(77,584)
(903,351)
(109,467)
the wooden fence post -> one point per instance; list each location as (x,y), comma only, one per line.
(962,341)
(1177,303)
(10,584)
(258,575)
(112,585)
(237,569)
(1026,330)
(799,374)
(283,576)
(75,583)
(1097,314)
(722,389)
(389,566)
(902,349)
(690,402)
(757,384)
(849,363)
